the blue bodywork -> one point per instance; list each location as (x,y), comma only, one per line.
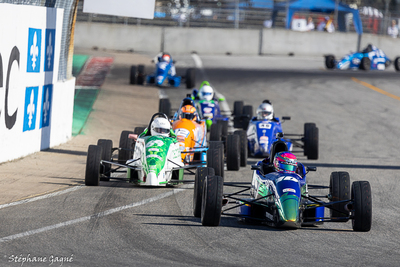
(164,72)
(379,60)
(261,134)
(210,111)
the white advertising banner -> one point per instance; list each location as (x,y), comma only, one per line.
(29,58)
(124,8)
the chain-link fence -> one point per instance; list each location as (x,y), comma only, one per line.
(69,7)
(249,14)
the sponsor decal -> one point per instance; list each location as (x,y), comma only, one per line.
(264,140)
(30,110)
(269,216)
(289,190)
(34,50)
(46,105)
(356,61)
(154,156)
(182,132)
(155,143)
(207,110)
(153,149)
(49,49)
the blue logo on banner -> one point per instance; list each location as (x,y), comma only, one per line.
(34,47)
(31,99)
(46,105)
(49,49)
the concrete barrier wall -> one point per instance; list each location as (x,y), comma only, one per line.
(220,41)
(35,108)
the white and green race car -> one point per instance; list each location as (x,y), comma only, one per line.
(146,159)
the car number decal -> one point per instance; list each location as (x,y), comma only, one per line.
(264,126)
(182,132)
(155,143)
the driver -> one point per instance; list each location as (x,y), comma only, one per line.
(206,93)
(285,162)
(265,111)
(161,127)
(188,112)
(167,59)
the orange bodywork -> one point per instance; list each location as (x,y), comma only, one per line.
(190,134)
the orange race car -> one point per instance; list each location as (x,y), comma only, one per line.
(191,132)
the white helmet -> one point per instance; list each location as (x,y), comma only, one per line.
(160,126)
(265,112)
(206,93)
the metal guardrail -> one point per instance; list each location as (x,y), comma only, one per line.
(242,14)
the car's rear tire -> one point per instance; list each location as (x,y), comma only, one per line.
(133,75)
(165,106)
(330,62)
(211,204)
(141,76)
(215,157)
(243,147)
(248,112)
(138,130)
(190,78)
(397,64)
(215,132)
(237,108)
(92,173)
(200,176)
(233,152)
(126,146)
(339,189)
(105,168)
(365,64)
(362,206)
(311,140)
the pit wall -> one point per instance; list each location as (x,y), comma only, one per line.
(35,107)
(210,41)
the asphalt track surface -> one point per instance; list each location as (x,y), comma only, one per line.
(117,224)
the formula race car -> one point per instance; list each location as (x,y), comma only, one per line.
(151,160)
(165,73)
(262,133)
(371,58)
(282,199)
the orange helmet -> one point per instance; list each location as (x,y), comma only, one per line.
(166,58)
(188,112)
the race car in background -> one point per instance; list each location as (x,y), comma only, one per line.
(164,74)
(371,58)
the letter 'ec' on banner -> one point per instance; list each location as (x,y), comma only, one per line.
(125,8)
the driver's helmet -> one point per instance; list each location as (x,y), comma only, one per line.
(166,58)
(188,112)
(206,93)
(265,112)
(285,162)
(160,126)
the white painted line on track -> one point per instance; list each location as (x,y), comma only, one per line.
(41,197)
(162,93)
(197,61)
(94,216)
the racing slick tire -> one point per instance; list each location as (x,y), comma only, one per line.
(211,204)
(190,78)
(105,168)
(92,173)
(330,62)
(311,140)
(141,76)
(133,75)
(200,176)
(237,108)
(164,106)
(224,129)
(243,147)
(248,111)
(365,64)
(397,63)
(362,206)
(126,146)
(339,189)
(215,157)
(216,132)
(233,152)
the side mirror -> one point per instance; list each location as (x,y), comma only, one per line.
(279,135)
(173,61)
(255,167)
(152,61)
(221,99)
(286,118)
(311,169)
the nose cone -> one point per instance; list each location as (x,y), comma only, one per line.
(152,179)
(290,210)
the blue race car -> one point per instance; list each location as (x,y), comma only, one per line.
(262,133)
(283,199)
(371,58)
(165,73)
